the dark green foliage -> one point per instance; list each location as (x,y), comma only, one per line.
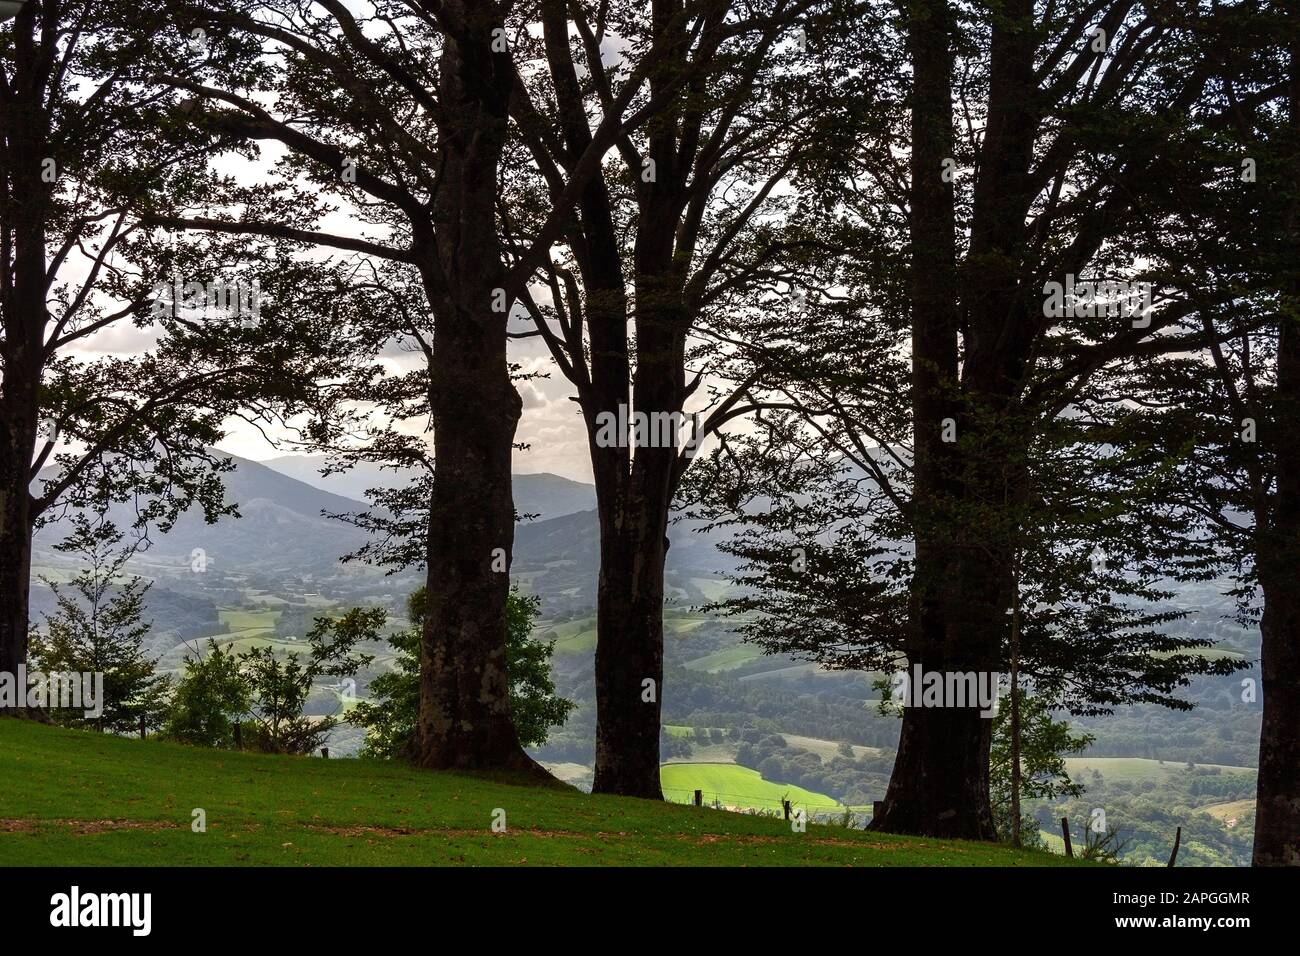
(534,705)
(268,694)
(390,718)
(1044,745)
(210,698)
(279,687)
(98,628)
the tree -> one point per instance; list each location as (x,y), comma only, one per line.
(1044,744)
(1237,399)
(88,154)
(210,698)
(99,629)
(1076,123)
(279,687)
(390,717)
(401,111)
(694,220)
(534,705)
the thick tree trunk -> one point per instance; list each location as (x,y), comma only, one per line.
(465,718)
(630,646)
(636,503)
(939,784)
(962,580)
(15,558)
(18,412)
(25,129)
(634,546)
(1277,797)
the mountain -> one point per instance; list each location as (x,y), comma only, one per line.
(281,528)
(542,494)
(560,560)
(282,533)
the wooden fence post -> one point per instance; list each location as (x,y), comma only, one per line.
(785,805)
(1178,838)
(699,798)
(325,752)
(1065,832)
(239,736)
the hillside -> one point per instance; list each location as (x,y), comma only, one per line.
(541,494)
(283,526)
(80,799)
(283,532)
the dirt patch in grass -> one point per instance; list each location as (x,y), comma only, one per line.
(84,826)
(365,830)
(753,838)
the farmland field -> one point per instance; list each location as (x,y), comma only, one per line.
(1137,769)
(725,660)
(735,786)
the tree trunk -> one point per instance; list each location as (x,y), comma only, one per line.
(940,783)
(18,412)
(465,718)
(634,511)
(961,578)
(15,557)
(25,128)
(634,547)
(630,646)
(1277,797)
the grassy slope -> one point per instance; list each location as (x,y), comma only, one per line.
(1229,811)
(735,786)
(74,798)
(1138,769)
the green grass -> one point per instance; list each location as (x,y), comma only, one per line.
(828,749)
(1233,810)
(244,620)
(715,589)
(1137,769)
(726,659)
(736,786)
(249,640)
(74,798)
(573,637)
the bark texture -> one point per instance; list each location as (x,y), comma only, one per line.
(465,720)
